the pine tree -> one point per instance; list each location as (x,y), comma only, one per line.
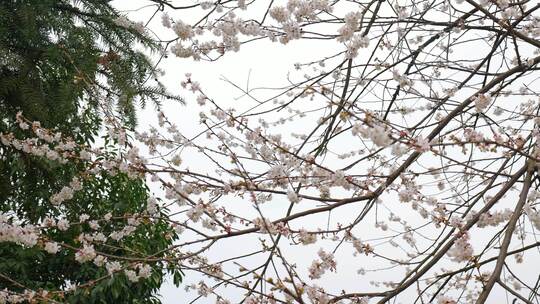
(64,64)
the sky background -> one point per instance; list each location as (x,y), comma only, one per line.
(261,64)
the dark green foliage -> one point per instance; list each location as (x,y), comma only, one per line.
(35,268)
(62,63)
(52,54)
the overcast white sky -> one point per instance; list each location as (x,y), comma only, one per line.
(265,64)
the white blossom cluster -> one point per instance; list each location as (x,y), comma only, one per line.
(377,133)
(66,193)
(316,294)
(319,267)
(7,296)
(307,238)
(355,44)
(352,24)
(44,144)
(10,231)
(144,271)
(533,214)
(462,250)
(481,102)
(494,218)
(265,225)
(85,254)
